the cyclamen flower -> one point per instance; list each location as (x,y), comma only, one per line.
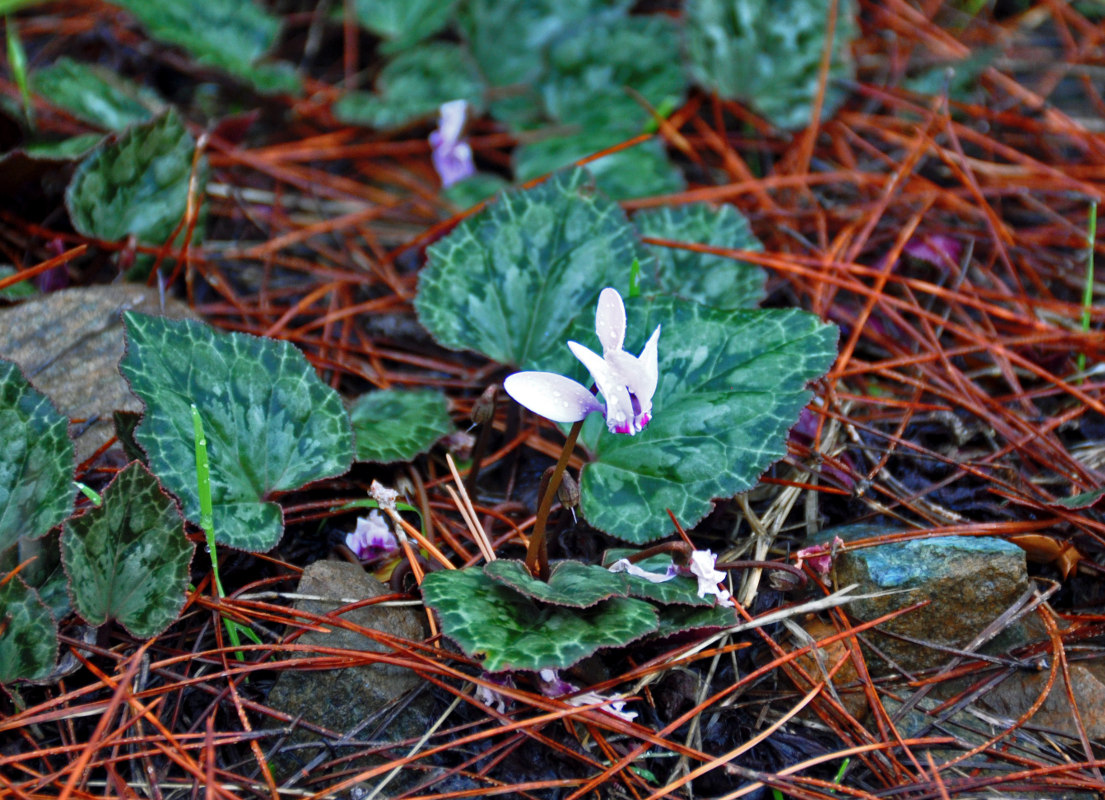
(451,155)
(372,539)
(627,382)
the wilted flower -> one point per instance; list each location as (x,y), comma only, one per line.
(552,685)
(703,567)
(820,556)
(627,382)
(372,538)
(451,155)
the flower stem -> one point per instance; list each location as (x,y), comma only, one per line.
(537,555)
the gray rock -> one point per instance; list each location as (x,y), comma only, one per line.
(344,700)
(69,343)
(970,581)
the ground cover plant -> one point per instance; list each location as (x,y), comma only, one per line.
(585,327)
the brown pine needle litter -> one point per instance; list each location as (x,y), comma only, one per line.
(945,234)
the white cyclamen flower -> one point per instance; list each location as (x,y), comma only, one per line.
(627,382)
(372,539)
(452,156)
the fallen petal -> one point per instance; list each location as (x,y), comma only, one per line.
(623,565)
(551,396)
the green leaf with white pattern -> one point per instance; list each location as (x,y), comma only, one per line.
(230,35)
(397,425)
(590,71)
(510,38)
(271,424)
(731,385)
(708,279)
(403,22)
(137,183)
(511,631)
(95,94)
(678,619)
(768,53)
(28,633)
(128,559)
(639,171)
(36,461)
(413,86)
(512,280)
(570,582)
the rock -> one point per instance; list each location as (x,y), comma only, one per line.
(69,343)
(1016,694)
(970,581)
(343,700)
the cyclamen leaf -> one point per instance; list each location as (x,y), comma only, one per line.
(591,68)
(96,94)
(28,633)
(708,279)
(128,559)
(36,461)
(232,35)
(271,424)
(403,22)
(510,631)
(768,53)
(512,280)
(136,183)
(639,171)
(396,425)
(414,85)
(570,582)
(731,385)
(510,38)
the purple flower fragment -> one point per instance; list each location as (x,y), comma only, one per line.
(372,538)
(451,155)
(552,685)
(627,382)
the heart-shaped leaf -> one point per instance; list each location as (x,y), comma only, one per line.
(403,22)
(570,582)
(510,631)
(128,559)
(512,280)
(271,424)
(731,385)
(28,633)
(231,35)
(590,69)
(677,619)
(136,184)
(414,85)
(708,279)
(396,425)
(95,94)
(639,171)
(36,460)
(510,38)
(768,53)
